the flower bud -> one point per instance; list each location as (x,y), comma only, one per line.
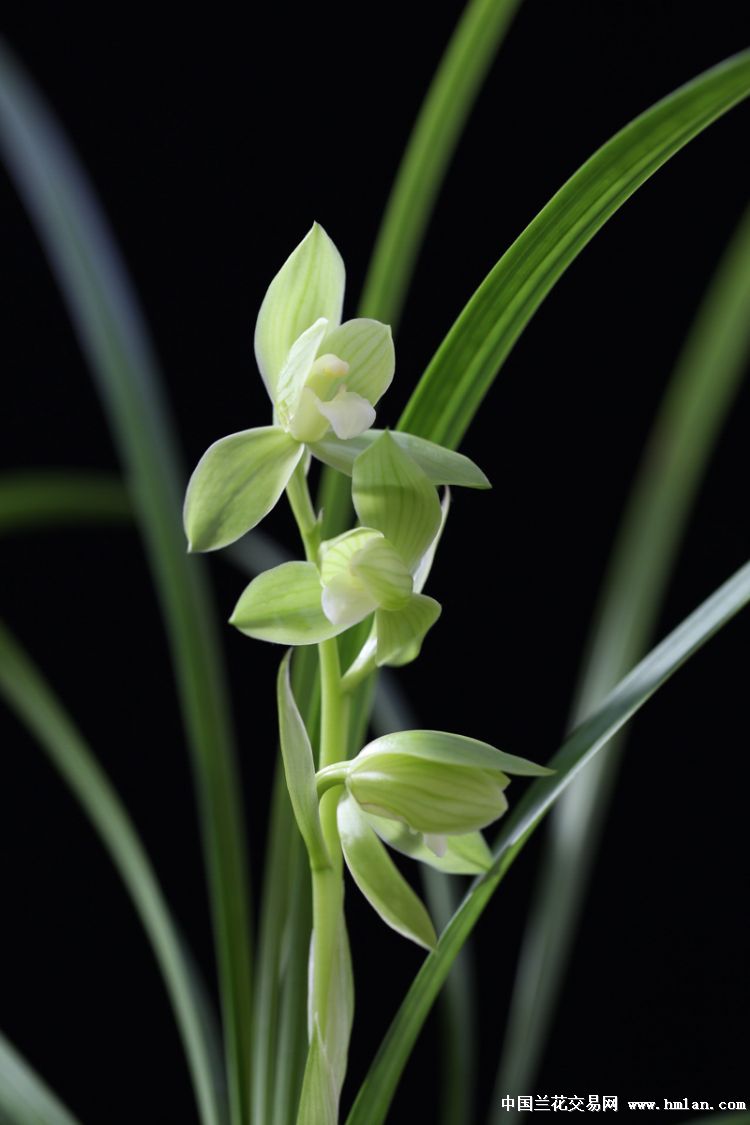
(434,798)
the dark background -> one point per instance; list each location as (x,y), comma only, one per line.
(214,138)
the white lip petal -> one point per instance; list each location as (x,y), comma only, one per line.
(436,844)
(349,414)
(344,604)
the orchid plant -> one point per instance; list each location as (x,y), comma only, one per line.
(427,794)
(355,604)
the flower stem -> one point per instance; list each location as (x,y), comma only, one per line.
(327,882)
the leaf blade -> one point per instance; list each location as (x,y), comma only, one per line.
(26,692)
(445,402)
(104,312)
(373,1099)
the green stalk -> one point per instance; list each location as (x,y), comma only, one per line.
(104,312)
(698,399)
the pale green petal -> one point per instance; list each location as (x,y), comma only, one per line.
(441,466)
(346,602)
(422,573)
(430,797)
(284,605)
(367,346)
(464,855)
(336,554)
(308,286)
(453,749)
(349,414)
(384,575)
(378,879)
(308,424)
(297,367)
(299,768)
(237,482)
(392,494)
(402,631)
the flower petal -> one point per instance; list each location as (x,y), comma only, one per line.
(350,414)
(299,767)
(367,346)
(336,554)
(346,603)
(453,749)
(392,494)
(284,605)
(296,369)
(378,879)
(380,569)
(309,285)
(237,482)
(422,572)
(464,855)
(402,631)
(441,466)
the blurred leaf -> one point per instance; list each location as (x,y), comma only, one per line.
(29,696)
(436,133)
(376,1092)
(37,500)
(108,323)
(24,1097)
(698,399)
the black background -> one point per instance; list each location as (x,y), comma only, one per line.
(214,137)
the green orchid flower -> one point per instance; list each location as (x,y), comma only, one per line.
(427,794)
(379,568)
(323,377)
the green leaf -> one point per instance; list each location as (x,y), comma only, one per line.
(466,363)
(309,285)
(24,1098)
(400,633)
(26,692)
(378,879)
(373,1100)
(440,466)
(236,483)
(453,750)
(367,346)
(699,396)
(464,855)
(283,605)
(299,769)
(110,329)
(392,494)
